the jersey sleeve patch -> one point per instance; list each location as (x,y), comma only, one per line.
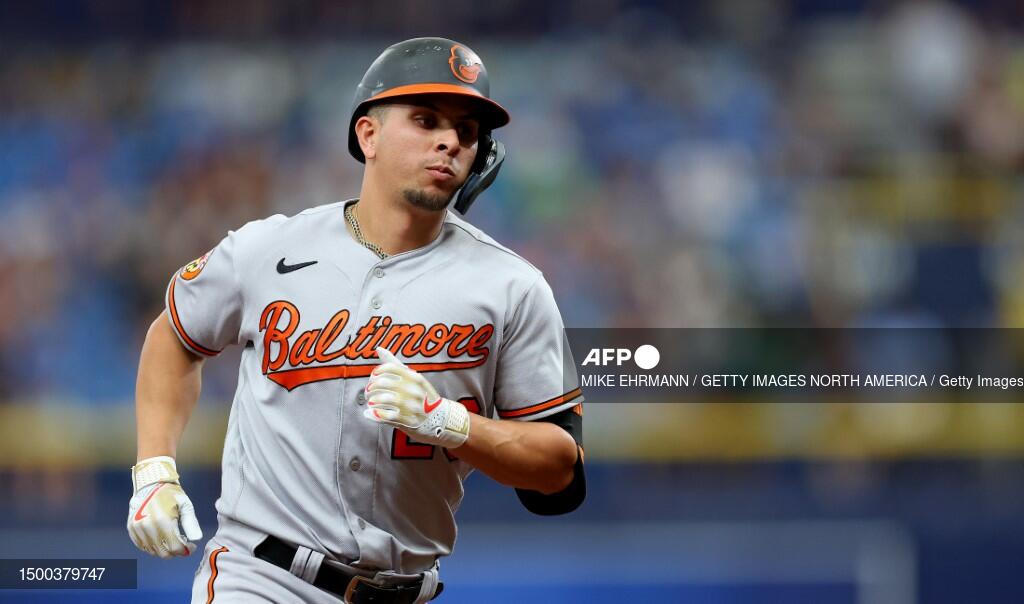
(191,270)
(564,401)
(172,313)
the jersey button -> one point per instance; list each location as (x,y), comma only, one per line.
(361,399)
(378,273)
(362,524)
(355,464)
(375,303)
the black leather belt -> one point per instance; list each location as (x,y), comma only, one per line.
(352,588)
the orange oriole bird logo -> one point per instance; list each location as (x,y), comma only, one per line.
(465,64)
(192,269)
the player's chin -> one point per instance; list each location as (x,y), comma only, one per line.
(429,198)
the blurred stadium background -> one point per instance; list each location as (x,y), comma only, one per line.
(714,164)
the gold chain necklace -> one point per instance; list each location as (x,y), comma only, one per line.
(350,217)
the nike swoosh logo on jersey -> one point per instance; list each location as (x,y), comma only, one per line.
(139,515)
(428,407)
(287,268)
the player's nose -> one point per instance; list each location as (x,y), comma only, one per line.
(447,141)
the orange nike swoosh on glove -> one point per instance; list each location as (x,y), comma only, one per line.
(428,407)
(138,515)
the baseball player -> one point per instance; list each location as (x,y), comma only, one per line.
(389,348)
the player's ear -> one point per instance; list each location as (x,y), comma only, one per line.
(367,128)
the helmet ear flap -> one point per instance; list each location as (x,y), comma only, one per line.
(483,152)
(489,157)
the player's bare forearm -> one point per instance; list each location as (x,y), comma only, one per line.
(526,455)
(166,391)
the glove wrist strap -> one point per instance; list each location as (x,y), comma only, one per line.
(456,425)
(154,469)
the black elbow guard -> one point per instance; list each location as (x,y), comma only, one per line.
(572,496)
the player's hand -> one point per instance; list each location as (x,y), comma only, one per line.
(161,518)
(403,398)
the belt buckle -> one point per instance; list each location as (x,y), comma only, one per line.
(352,585)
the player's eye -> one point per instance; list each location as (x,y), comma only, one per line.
(467,131)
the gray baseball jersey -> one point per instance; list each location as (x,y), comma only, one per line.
(310,305)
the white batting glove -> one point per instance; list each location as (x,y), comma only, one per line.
(401,397)
(161,518)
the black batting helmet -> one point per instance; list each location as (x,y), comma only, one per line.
(436,66)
